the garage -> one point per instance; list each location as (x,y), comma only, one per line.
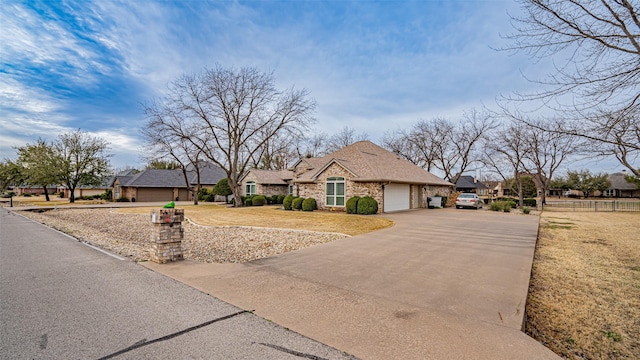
(397,197)
(155,194)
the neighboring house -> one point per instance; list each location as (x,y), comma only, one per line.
(360,169)
(469,184)
(88,190)
(34,190)
(163,185)
(620,187)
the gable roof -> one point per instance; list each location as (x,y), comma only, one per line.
(468,182)
(272,177)
(369,162)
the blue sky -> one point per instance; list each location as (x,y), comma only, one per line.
(374,66)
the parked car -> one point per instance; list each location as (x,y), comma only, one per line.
(468,200)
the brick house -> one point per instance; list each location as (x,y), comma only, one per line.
(360,169)
(152,185)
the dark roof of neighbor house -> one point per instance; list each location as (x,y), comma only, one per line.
(618,182)
(210,174)
(469,182)
(369,162)
(160,178)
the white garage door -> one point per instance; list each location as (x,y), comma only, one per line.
(396,197)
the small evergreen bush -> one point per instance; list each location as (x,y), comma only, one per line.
(280,199)
(287,202)
(122,199)
(248,201)
(309,204)
(296,204)
(209,198)
(259,200)
(367,206)
(352,205)
(526,210)
(496,206)
(530,202)
(202,193)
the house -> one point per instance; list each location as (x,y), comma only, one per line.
(620,187)
(360,169)
(469,184)
(88,190)
(153,185)
(34,190)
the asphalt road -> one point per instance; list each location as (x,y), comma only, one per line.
(61,299)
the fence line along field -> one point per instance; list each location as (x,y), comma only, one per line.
(584,295)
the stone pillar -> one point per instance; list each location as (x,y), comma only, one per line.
(167,235)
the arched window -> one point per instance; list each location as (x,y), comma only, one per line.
(335,191)
(250,188)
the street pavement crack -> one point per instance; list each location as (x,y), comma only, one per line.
(143,342)
(292,352)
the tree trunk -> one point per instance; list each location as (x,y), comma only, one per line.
(197,190)
(72,194)
(46,192)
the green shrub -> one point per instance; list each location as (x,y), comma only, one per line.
(507,207)
(209,198)
(61,194)
(26,195)
(352,205)
(296,204)
(248,201)
(122,199)
(287,202)
(512,205)
(526,210)
(280,199)
(309,204)
(367,206)
(530,202)
(202,194)
(496,206)
(259,200)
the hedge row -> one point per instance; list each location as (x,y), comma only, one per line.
(291,202)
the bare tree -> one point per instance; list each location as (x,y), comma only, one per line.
(451,147)
(165,142)
(547,151)
(505,154)
(312,146)
(598,68)
(229,115)
(345,137)
(277,153)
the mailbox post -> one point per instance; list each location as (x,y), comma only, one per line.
(167,235)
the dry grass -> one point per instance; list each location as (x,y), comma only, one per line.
(584,296)
(274,217)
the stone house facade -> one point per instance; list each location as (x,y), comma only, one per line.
(361,169)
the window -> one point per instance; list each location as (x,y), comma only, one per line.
(250,188)
(335,191)
(290,189)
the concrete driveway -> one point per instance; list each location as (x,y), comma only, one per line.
(440,284)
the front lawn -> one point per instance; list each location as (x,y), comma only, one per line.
(584,294)
(275,217)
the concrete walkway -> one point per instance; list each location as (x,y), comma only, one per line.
(440,284)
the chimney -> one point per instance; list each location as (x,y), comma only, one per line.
(624,171)
(475,180)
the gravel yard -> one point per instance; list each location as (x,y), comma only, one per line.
(129,235)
